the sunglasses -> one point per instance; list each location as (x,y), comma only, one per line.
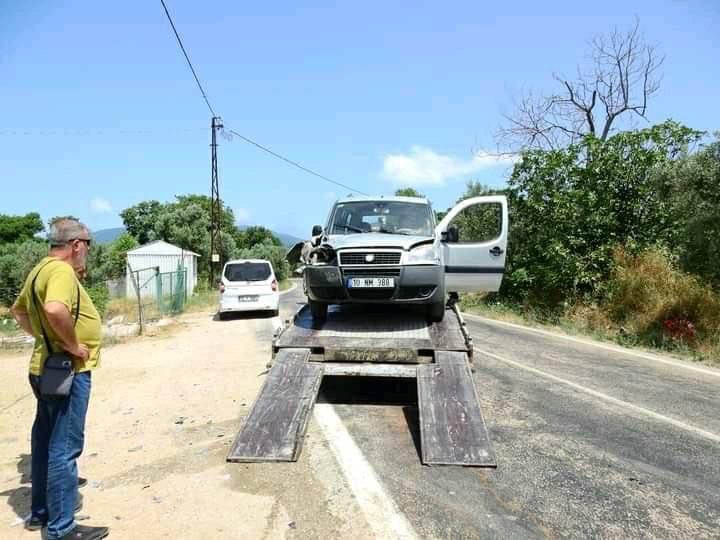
(88,241)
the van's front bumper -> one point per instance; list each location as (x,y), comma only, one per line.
(412,284)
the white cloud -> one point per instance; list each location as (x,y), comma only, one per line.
(423,166)
(242,216)
(100,205)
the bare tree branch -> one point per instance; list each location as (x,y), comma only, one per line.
(623,78)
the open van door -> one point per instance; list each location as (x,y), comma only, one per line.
(472,240)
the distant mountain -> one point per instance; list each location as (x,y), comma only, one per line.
(104,236)
(288,240)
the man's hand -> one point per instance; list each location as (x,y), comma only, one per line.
(81,352)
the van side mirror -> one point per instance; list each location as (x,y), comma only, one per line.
(316,230)
(451,235)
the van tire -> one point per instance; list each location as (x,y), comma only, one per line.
(436,311)
(318,311)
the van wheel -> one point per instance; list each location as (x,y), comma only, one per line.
(318,310)
(436,311)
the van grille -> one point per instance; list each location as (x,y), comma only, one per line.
(379,257)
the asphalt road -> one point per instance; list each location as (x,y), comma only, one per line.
(590,442)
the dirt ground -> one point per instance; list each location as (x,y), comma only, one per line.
(163,413)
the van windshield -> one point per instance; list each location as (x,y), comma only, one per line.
(247,271)
(389,217)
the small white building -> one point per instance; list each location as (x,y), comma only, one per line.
(160,257)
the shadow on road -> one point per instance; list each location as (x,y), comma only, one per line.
(243,316)
(19,498)
(375,391)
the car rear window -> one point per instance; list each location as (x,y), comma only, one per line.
(248,271)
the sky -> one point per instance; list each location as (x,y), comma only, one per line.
(99,111)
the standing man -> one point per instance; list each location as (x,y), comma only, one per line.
(52,299)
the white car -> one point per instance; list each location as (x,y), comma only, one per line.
(248,285)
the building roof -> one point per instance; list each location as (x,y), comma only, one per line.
(160,247)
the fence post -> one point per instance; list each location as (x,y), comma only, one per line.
(136,286)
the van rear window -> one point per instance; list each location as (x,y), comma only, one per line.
(248,271)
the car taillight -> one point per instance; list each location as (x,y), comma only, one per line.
(274,285)
(222,288)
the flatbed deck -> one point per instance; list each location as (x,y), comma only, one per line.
(371,341)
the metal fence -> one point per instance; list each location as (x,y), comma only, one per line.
(158,293)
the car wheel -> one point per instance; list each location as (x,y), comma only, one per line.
(318,310)
(436,311)
(221,316)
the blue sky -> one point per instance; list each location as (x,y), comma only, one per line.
(98,110)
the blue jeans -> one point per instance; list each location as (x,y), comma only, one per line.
(58,434)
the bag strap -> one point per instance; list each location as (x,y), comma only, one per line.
(34,295)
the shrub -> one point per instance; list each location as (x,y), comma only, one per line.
(651,298)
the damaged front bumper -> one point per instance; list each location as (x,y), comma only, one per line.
(422,284)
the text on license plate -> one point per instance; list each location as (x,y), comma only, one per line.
(378,282)
(247,298)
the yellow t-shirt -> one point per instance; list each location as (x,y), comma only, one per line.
(56,282)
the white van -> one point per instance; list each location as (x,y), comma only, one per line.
(248,285)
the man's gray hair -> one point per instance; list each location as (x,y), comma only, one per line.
(64,230)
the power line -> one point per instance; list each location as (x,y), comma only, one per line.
(291,162)
(187,58)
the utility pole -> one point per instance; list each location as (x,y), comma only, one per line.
(215,209)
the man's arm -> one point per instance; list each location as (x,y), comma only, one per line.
(22,318)
(63,324)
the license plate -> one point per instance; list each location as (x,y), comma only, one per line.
(370,283)
(247,298)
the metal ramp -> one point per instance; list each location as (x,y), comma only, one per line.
(452,428)
(275,428)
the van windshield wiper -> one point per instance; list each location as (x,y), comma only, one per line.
(350,228)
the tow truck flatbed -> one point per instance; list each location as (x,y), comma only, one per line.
(371,341)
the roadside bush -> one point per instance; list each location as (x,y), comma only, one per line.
(649,297)
(99,295)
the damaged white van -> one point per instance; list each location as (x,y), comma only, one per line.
(390,250)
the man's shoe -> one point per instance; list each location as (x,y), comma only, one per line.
(35,523)
(83,532)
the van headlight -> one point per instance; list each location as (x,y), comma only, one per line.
(422,255)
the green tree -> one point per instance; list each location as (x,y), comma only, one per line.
(271,252)
(570,207)
(248,237)
(140,219)
(408,192)
(16,261)
(19,228)
(692,188)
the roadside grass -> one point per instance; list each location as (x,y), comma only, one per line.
(647,303)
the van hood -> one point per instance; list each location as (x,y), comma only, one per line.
(374,240)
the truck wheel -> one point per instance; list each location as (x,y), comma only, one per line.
(318,310)
(436,311)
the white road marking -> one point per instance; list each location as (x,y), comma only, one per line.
(641,410)
(647,356)
(381,512)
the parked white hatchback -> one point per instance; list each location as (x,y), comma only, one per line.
(248,285)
